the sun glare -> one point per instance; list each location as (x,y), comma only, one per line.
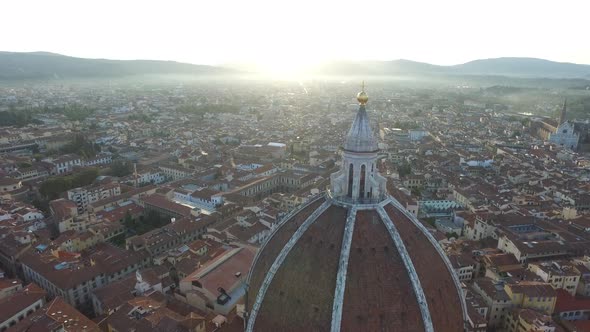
(285,67)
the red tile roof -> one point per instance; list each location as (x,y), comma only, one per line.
(55,314)
(582,325)
(9,283)
(103,258)
(120,212)
(567,302)
(160,201)
(19,301)
(62,208)
(224,274)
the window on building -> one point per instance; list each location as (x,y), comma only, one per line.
(362,182)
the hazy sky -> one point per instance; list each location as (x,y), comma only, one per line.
(290,33)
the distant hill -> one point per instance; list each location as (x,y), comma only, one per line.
(512,67)
(44,65)
(523,67)
(395,67)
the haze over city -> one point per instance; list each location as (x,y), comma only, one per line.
(294,166)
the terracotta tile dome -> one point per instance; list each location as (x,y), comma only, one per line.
(377,295)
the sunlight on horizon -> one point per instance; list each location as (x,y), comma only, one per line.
(285,38)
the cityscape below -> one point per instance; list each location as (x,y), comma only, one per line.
(367,196)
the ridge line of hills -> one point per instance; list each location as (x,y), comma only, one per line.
(45,65)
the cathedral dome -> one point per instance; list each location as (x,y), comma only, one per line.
(353,259)
(333,267)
